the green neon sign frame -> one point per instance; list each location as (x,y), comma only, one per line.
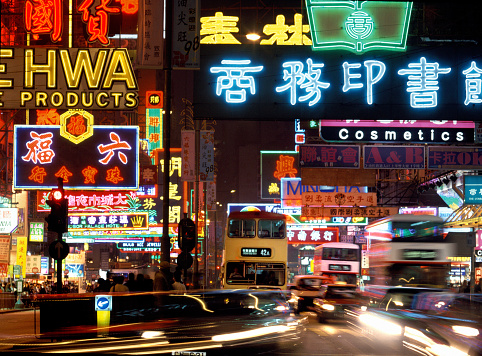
(359,26)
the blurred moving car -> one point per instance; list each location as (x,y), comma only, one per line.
(306,288)
(433,324)
(338,301)
(401,297)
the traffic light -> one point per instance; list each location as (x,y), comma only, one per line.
(187,235)
(57,219)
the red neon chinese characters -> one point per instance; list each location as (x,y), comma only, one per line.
(284,166)
(76,125)
(89,174)
(64,174)
(113,175)
(38,174)
(39,148)
(98,24)
(116,145)
(130,6)
(44,17)
(48,117)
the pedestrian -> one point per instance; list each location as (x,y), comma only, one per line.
(131,281)
(478,286)
(163,277)
(119,285)
(178,285)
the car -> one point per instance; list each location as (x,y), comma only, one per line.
(338,301)
(433,323)
(402,297)
(305,288)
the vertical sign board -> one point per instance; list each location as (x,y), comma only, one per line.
(185,34)
(105,158)
(188,149)
(150,43)
(36,231)
(206,155)
(276,165)
(22,253)
(4,255)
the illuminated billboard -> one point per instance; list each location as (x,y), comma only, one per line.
(288,82)
(109,159)
(41,78)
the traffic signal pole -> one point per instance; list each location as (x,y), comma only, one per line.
(60,184)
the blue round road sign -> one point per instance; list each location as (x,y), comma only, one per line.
(103,302)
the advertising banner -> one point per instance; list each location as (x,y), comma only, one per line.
(368,212)
(8,220)
(286,82)
(393,157)
(4,248)
(109,221)
(107,157)
(206,155)
(473,189)
(394,131)
(338,199)
(188,143)
(186,41)
(74,78)
(275,166)
(441,157)
(22,253)
(313,235)
(36,231)
(329,156)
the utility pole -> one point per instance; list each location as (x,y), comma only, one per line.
(165,240)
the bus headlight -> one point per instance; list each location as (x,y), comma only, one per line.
(328,307)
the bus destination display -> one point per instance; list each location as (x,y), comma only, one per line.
(255,252)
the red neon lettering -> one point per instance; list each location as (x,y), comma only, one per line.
(48,117)
(76,125)
(116,145)
(64,174)
(44,17)
(97,24)
(38,174)
(113,175)
(284,166)
(39,148)
(89,174)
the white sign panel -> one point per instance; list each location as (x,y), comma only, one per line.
(8,220)
(188,147)
(185,35)
(4,248)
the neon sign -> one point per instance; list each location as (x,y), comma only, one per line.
(359,26)
(275,165)
(109,221)
(39,78)
(294,82)
(44,17)
(109,159)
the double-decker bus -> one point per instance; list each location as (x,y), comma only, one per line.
(337,260)
(255,251)
(406,249)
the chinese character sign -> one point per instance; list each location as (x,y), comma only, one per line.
(185,34)
(338,199)
(206,155)
(107,160)
(276,165)
(330,156)
(109,221)
(315,235)
(293,81)
(150,42)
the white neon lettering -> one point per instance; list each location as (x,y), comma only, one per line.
(445,136)
(373,80)
(459,136)
(343,134)
(359,135)
(347,84)
(235,78)
(422,82)
(473,85)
